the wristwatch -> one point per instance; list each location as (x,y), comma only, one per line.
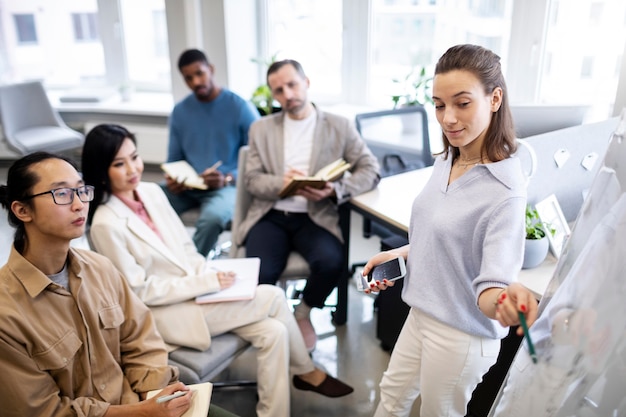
(229,180)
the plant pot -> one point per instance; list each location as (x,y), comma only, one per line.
(411,122)
(535,252)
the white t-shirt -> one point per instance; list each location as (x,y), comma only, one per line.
(298,146)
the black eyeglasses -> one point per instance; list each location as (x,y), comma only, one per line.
(65,195)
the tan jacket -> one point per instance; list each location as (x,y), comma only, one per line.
(334,137)
(74,353)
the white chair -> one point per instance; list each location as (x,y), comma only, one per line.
(297,268)
(30,123)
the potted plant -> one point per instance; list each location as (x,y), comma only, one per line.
(537,244)
(262,99)
(262,96)
(416,89)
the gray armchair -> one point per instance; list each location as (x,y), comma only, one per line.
(30,123)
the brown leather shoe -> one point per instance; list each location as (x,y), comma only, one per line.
(330,387)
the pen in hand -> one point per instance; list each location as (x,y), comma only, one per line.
(214,166)
(170,397)
(531,347)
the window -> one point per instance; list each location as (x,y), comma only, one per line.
(53,53)
(85,27)
(146,50)
(586,70)
(595,13)
(25,27)
(69,50)
(160,33)
(310,32)
(583,46)
(405,35)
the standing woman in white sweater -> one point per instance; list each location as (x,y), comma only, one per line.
(465,246)
(133,224)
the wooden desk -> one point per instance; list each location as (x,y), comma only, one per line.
(390,205)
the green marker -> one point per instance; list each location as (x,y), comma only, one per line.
(531,348)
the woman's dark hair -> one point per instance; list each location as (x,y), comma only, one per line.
(21,180)
(499,141)
(102,143)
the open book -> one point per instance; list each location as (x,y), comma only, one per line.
(246,279)
(199,402)
(329,173)
(182,172)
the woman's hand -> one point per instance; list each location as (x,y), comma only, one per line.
(514,299)
(226,279)
(377,259)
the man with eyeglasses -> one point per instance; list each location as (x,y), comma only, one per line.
(65,195)
(74,337)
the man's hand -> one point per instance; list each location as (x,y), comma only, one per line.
(290,174)
(174,186)
(213,178)
(313,194)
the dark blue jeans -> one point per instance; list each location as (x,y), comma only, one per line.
(278,233)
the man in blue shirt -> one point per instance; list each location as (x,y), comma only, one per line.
(207,128)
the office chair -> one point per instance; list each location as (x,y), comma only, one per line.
(400,140)
(31,124)
(400,134)
(204,366)
(297,268)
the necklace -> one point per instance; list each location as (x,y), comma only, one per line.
(465,163)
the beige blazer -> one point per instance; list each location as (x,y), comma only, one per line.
(166,272)
(334,137)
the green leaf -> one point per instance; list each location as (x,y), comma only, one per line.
(417,85)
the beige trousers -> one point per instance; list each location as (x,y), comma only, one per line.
(269,325)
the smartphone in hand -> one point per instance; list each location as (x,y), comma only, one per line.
(390,270)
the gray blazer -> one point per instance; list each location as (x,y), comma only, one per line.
(334,137)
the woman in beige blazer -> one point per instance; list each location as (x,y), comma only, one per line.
(134,225)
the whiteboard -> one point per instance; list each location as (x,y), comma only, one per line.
(580,335)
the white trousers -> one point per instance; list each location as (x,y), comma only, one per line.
(439,362)
(269,325)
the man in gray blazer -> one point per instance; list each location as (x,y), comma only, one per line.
(300,140)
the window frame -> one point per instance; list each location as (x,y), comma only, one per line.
(88,34)
(31,26)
